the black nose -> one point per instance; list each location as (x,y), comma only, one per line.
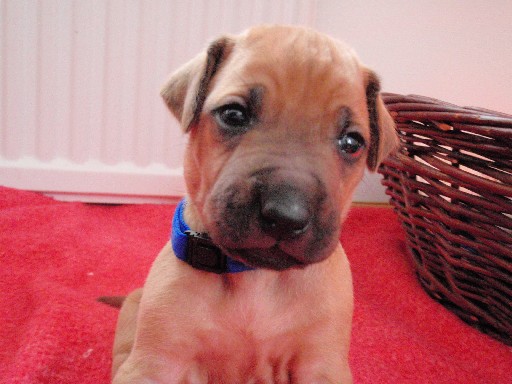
(284,212)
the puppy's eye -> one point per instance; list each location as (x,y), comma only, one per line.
(351,144)
(233,117)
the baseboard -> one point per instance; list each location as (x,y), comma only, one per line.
(95,182)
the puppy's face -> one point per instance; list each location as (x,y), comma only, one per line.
(282,123)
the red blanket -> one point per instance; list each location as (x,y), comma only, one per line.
(56,258)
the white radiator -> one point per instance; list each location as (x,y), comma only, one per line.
(81,117)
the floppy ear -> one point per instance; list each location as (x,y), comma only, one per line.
(383,137)
(186,90)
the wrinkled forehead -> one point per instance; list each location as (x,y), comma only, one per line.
(299,45)
(295,67)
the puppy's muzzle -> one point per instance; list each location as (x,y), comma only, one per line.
(285,212)
(274,218)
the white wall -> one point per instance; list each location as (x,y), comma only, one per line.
(80,115)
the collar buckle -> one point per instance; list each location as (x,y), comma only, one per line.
(203,254)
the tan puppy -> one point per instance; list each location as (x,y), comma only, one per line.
(282,122)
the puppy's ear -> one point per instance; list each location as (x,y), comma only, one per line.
(383,137)
(186,90)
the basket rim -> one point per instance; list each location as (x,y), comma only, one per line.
(436,109)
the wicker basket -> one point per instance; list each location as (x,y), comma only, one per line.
(451,186)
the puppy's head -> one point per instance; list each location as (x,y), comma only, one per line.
(282,122)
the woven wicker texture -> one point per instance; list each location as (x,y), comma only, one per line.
(451,186)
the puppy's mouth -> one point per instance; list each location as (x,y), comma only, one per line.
(261,251)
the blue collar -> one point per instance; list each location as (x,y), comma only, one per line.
(198,250)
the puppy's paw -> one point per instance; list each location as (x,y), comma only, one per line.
(319,374)
(195,375)
(324,380)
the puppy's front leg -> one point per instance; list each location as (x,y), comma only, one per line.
(128,367)
(126,326)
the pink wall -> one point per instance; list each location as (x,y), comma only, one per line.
(459,51)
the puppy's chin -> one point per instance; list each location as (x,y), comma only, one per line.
(270,258)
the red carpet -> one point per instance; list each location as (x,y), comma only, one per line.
(56,258)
